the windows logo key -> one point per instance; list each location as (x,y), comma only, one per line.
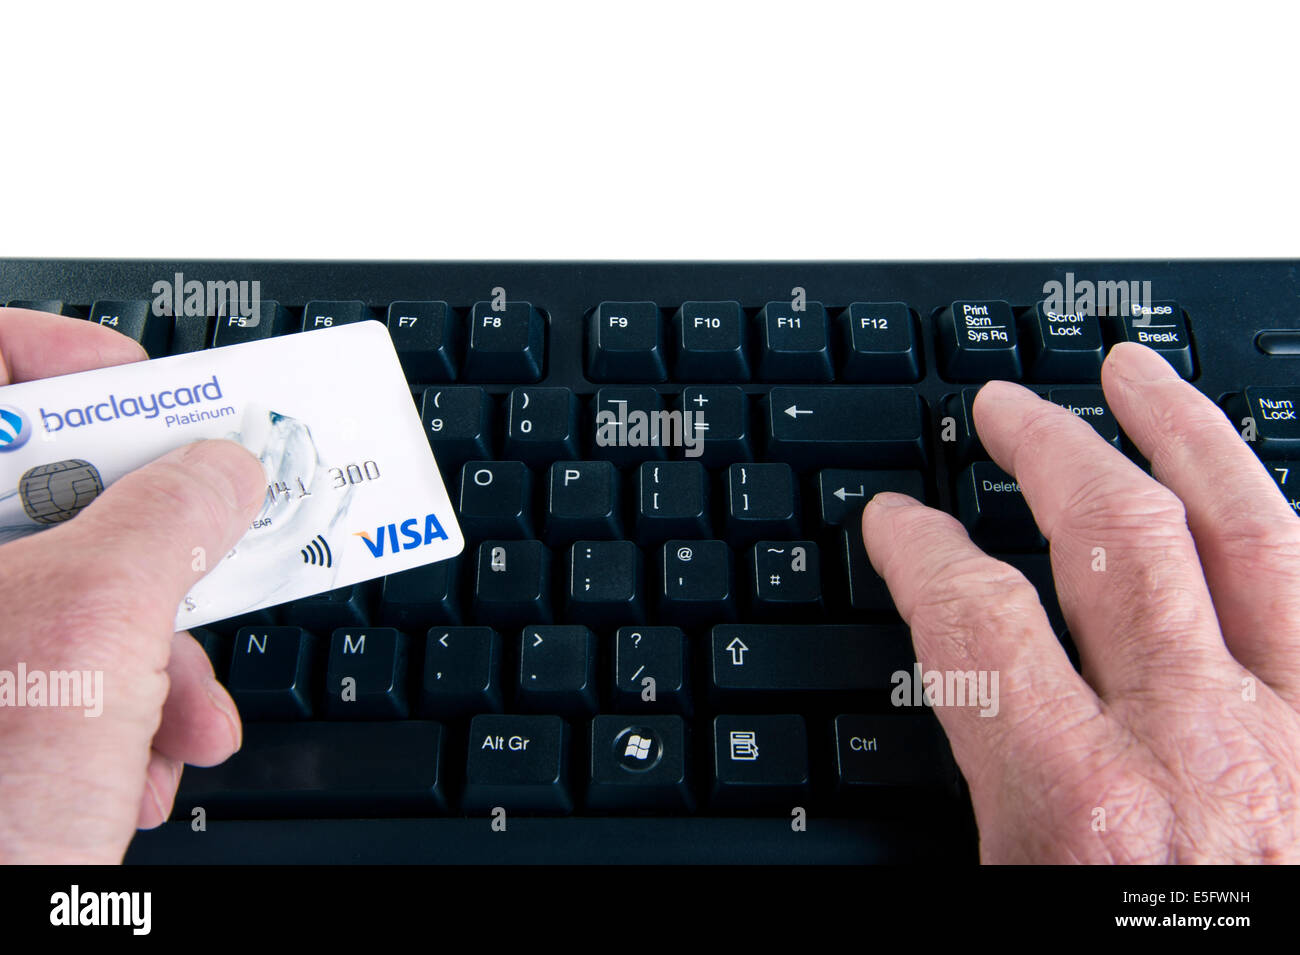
(638,749)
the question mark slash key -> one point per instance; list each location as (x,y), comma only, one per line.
(654,654)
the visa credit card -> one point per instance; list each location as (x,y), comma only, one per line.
(353,491)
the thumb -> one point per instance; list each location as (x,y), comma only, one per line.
(155,523)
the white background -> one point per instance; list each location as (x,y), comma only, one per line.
(648,130)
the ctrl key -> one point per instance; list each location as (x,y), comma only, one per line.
(518,763)
(887,751)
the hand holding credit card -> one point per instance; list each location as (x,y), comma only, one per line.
(353,490)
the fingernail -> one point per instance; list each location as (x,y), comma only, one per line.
(1137,363)
(221,701)
(892,499)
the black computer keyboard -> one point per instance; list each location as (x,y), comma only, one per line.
(663,641)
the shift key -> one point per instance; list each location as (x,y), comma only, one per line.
(817,664)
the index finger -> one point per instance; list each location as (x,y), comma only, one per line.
(40,345)
(1126,568)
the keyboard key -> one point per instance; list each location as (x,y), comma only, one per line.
(542,425)
(785,578)
(496,499)
(270,671)
(1276,413)
(1163,327)
(639,763)
(512,586)
(234,329)
(866,588)
(762,501)
(891,750)
(710,339)
(977,341)
(53,306)
(349,606)
(879,343)
(625,342)
(604,583)
(819,664)
(794,345)
(374,660)
(417,599)
(957,432)
(218,648)
(650,670)
(694,582)
(328,314)
(427,338)
(993,508)
(322,769)
(719,424)
(462,672)
(627,425)
(507,344)
(582,501)
(458,424)
(842,494)
(759,760)
(672,501)
(1090,405)
(844,426)
(1286,475)
(519,763)
(1063,346)
(557,670)
(136,320)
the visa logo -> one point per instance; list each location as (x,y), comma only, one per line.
(386,536)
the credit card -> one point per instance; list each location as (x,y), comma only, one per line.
(353,490)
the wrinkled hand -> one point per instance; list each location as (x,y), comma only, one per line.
(1181,740)
(100,593)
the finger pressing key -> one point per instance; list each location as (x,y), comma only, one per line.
(1247,536)
(972,614)
(1126,569)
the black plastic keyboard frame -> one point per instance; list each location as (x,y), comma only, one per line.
(1227,303)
